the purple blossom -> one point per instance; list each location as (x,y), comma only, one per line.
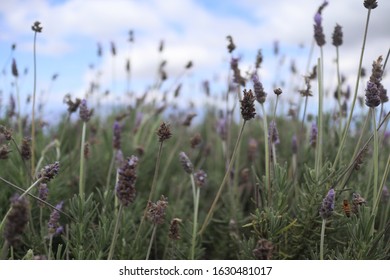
(54,227)
(327,205)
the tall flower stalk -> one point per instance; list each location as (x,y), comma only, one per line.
(248,112)
(369,5)
(37,29)
(85,115)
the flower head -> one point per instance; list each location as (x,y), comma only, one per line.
(117,130)
(164,132)
(327,205)
(186,163)
(53,225)
(263,250)
(156,211)
(258,89)
(200,178)
(273,134)
(174,233)
(49,172)
(337,36)
(247,105)
(370,4)
(85,113)
(125,187)
(43,193)
(313,135)
(318,30)
(372,95)
(16,220)
(14,69)
(37,27)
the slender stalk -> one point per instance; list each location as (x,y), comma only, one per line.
(33,110)
(50,247)
(152,190)
(382,184)
(227,173)
(318,162)
(375,155)
(115,235)
(322,239)
(151,241)
(339,89)
(346,129)
(266,152)
(82,162)
(196,207)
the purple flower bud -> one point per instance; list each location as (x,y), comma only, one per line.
(318,18)
(327,205)
(53,224)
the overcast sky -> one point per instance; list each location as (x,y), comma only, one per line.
(193,30)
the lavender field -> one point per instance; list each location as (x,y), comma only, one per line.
(287,164)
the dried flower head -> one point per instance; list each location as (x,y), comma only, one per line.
(221,127)
(6,132)
(231,46)
(237,78)
(174,233)
(72,106)
(383,94)
(14,69)
(49,172)
(258,89)
(16,220)
(278,91)
(37,27)
(337,36)
(248,106)
(370,4)
(200,178)
(84,112)
(26,148)
(156,211)
(263,250)
(164,132)
(327,205)
(53,225)
(186,163)
(127,176)
(4,151)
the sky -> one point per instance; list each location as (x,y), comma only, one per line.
(192,30)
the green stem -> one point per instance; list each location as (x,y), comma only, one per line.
(318,162)
(33,110)
(196,207)
(115,235)
(266,152)
(346,129)
(322,239)
(151,241)
(152,190)
(227,173)
(4,250)
(50,247)
(375,155)
(82,162)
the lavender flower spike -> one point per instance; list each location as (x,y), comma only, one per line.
(327,205)
(125,187)
(53,224)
